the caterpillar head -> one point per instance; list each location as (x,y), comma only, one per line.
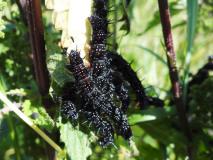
(74,57)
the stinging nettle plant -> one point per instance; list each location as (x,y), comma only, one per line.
(91,88)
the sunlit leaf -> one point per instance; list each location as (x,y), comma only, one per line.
(137,118)
(76,142)
(150,115)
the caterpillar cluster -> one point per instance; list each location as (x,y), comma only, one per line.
(97,105)
(102,85)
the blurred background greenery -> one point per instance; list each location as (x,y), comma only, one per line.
(157,134)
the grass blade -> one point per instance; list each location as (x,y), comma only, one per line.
(192,12)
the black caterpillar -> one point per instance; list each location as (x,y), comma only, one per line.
(97,89)
(105,62)
(101,67)
(97,106)
(88,93)
(100,61)
(104,128)
(130,75)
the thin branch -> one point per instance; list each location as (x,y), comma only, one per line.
(173,73)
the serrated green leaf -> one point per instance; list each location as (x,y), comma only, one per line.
(57,69)
(76,142)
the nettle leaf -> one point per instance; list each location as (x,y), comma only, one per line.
(56,61)
(137,118)
(38,115)
(57,69)
(150,115)
(76,142)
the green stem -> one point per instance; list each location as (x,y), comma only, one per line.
(27,120)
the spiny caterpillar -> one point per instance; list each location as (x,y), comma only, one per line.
(97,106)
(130,76)
(102,71)
(105,62)
(97,89)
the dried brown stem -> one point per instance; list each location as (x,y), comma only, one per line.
(33,14)
(31,10)
(173,73)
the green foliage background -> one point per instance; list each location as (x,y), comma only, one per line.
(157,134)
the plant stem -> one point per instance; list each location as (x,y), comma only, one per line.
(173,73)
(32,11)
(27,120)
